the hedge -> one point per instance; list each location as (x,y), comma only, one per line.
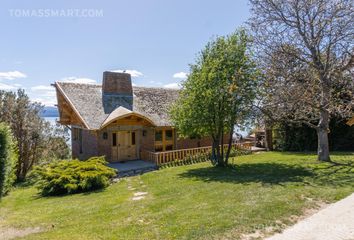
(7,160)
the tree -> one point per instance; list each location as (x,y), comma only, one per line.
(306,49)
(56,141)
(218,93)
(35,139)
(7,159)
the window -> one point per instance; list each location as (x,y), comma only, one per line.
(105,135)
(114,139)
(80,139)
(133,138)
(168,135)
(164,140)
(158,135)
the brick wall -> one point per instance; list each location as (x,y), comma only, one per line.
(117,83)
(89,145)
(93,143)
(148,141)
(183,143)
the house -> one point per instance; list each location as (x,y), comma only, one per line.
(119,120)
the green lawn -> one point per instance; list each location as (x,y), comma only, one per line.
(188,202)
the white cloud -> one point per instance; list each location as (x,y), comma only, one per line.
(44,94)
(42,88)
(180,75)
(134,85)
(45,101)
(133,73)
(6,87)
(172,86)
(11,75)
(78,80)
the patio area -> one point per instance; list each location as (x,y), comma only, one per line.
(133,167)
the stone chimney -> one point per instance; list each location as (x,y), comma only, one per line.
(117,83)
(117,91)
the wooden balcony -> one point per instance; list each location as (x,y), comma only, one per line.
(160,158)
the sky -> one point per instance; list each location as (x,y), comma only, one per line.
(76,41)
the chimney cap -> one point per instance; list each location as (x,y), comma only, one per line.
(117,83)
(115,72)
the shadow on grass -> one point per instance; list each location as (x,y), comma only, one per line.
(266,173)
(95,191)
(276,173)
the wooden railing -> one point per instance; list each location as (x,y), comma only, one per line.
(168,156)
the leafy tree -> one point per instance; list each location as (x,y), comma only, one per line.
(306,51)
(56,139)
(218,93)
(34,136)
(7,159)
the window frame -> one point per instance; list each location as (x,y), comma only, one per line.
(165,143)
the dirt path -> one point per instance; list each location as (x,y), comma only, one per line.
(11,233)
(335,222)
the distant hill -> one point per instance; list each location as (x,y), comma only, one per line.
(49,112)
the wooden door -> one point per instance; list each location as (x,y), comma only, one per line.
(126,145)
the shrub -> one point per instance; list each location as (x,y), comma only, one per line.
(73,176)
(7,160)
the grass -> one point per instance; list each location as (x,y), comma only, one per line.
(198,201)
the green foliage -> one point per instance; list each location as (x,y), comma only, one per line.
(37,141)
(55,141)
(73,176)
(7,160)
(219,91)
(289,137)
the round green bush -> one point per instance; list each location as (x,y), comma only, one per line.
(73,176)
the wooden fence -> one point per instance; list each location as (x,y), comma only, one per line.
(168,156)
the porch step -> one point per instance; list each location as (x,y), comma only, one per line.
(134,172)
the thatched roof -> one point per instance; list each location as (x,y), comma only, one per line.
(95,108)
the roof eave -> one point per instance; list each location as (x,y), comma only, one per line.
(58,87)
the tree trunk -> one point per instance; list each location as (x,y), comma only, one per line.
(322,137)
(229,146)
(323,146)
(269,139)
(213,153)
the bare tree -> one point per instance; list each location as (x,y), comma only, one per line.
(306,50)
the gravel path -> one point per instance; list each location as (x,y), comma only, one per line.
(335,222)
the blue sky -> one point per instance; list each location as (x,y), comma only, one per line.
(154,39)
